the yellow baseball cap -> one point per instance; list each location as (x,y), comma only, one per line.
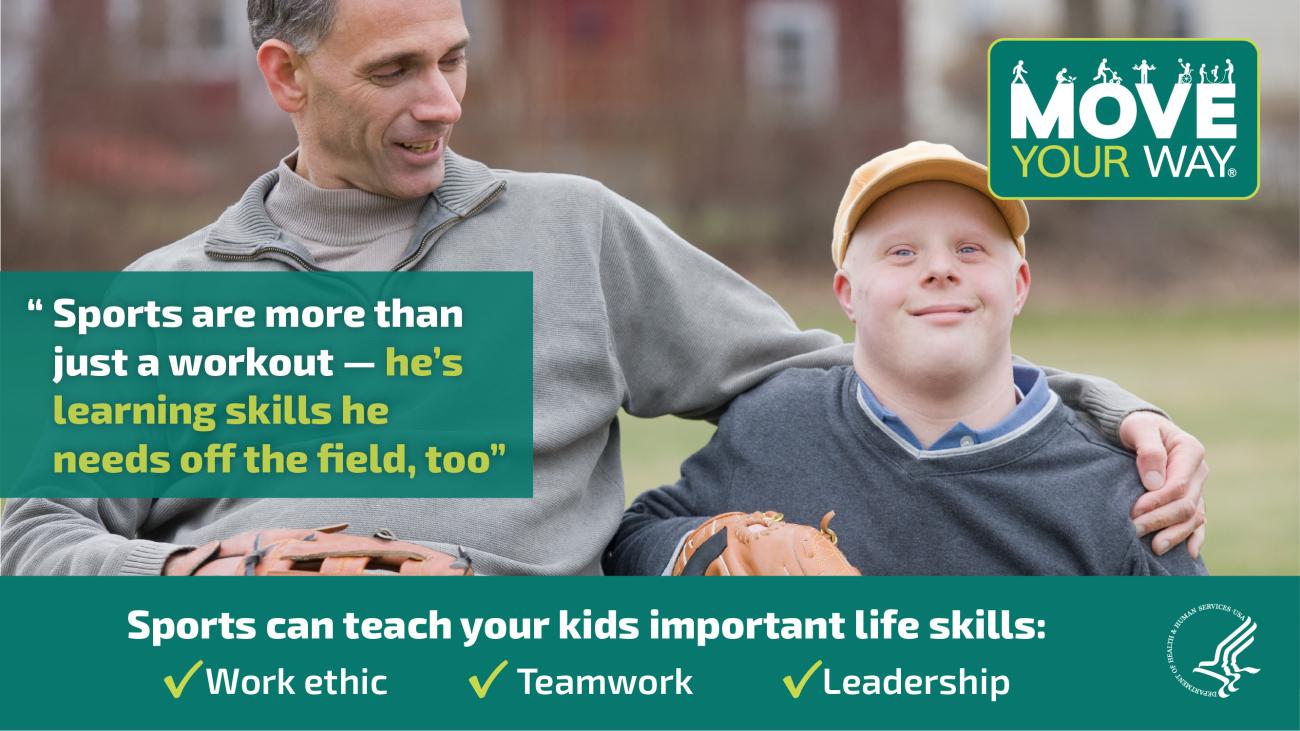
(918,162)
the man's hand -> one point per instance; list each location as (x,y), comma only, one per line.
(1172,465)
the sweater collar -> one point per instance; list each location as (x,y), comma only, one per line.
(245,226)
(1037,404)
(343,217)
(1033,397)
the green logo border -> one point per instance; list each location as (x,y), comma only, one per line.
(988,123)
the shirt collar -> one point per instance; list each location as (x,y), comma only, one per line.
(1034,397)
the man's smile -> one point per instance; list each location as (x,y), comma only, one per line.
(422,151)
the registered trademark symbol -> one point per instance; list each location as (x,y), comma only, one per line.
(1232,172)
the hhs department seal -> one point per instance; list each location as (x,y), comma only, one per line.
(1207,649)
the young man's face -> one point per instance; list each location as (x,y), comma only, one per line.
(383,91)
(932,281)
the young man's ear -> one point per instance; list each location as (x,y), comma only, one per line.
(279,63)
(1022,285)
(844,293)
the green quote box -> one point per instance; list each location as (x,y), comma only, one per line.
(1136,118)
(266,385)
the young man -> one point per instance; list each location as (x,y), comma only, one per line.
(939,454)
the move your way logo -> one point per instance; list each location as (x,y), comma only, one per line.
(1190,638)
(1123,118)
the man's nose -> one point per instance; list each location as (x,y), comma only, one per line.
(437,100)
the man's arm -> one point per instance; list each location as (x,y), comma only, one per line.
(1170,462)
(651,534)
(653,528)
(1101,403)
(79,537)
(689,334)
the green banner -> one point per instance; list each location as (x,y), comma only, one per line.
(266,384)
(1140,118)
(906,652)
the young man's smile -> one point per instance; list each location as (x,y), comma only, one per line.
(943,314)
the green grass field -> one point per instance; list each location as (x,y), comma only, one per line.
(1232,379)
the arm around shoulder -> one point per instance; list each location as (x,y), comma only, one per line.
(688,333)
(1101,403)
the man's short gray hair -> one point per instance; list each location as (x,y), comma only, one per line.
(303,24)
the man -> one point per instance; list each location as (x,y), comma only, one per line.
(937,454)
(626,314)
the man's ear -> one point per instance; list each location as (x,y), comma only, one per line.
(279,63)
(1022,284)
(844,293)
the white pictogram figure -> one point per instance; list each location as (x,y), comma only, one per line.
(1062,78)
(1102,70)
(1228,70)
(1018,73)
(1228,671)
(1202,73)
(1214,73)
(1144,68)
(1114,77)
(1186,76)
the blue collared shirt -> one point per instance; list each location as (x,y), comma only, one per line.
(1031,388)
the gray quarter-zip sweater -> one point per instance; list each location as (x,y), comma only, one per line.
(625,314)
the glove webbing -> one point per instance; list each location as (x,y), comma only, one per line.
(259,552)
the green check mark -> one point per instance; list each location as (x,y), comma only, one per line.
(175,689)
(481,689)
(797,690)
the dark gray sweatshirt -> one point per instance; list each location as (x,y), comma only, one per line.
(1053,498)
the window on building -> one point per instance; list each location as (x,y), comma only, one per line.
(791,58)
(210,26)
(167,38)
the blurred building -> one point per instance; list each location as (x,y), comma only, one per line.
(737,120)
(129,95)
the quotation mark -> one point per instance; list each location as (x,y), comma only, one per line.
(35,305)
(498,449)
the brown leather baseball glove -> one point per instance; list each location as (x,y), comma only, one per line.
(320,552)
(762,544)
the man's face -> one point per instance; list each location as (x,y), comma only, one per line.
(933,280)
(382,94)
